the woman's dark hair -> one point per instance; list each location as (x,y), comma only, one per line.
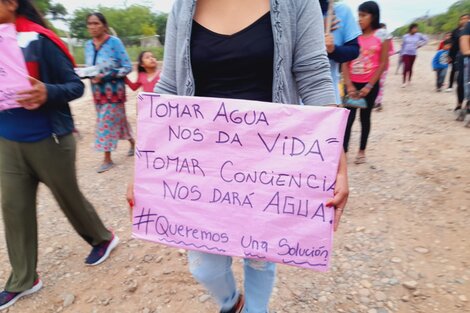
(383,25)
(373,9)
(27,9)
(414,25)
(140,62)
(101,17)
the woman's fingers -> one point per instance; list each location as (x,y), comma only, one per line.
(33,98)
(130,198)
(338,214)
(340,199)
(338,202)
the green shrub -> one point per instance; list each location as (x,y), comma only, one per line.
(133,51)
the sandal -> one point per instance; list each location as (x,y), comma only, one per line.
(105,167)
(360,160)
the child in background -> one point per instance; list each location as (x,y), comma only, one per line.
(447,36)
(362,75)
(440,63)
(378,102)
(148,73)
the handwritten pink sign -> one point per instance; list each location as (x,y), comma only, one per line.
(235,177)
(13,72)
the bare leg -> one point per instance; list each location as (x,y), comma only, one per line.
(107,158)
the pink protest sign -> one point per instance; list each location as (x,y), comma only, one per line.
(236,177)
(13,72)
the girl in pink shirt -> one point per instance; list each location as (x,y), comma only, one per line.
(362,75)
(148,73)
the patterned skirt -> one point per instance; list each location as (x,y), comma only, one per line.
(111,126)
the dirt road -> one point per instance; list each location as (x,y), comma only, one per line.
(403,245)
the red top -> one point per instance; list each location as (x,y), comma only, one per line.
(25,25)
(441,45)
(142,81)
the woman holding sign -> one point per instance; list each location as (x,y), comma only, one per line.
(37,145)
(271,51)
(109,55)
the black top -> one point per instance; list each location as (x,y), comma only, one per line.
(455,49)
(238,66)
(465,32)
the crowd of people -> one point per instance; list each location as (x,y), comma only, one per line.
(308,56)
(453,52)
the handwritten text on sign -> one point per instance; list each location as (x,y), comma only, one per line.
(235,177)
(13,73)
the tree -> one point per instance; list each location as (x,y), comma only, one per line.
(78,28)
(130,23)
(439,23)
(160,23)
(43,5)
(57,11)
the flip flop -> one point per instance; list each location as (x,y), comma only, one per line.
(131,152)
(360,160)
(105,167)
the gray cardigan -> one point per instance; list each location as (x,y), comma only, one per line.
(301,67)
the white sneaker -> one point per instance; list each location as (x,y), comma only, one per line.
(10,298)
(101,252)
(404,85)
(448,90)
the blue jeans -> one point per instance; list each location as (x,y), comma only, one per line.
(214,272)
(441,77)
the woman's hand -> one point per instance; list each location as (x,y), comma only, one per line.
(352,91)
(33,98)
(330,43)
(335,24)
(341,193)
(364,92)
(130,198)
(97,79)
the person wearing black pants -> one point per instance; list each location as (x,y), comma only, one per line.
(454,52)
(365,117)
(460,82)
(362,76)
(453,71)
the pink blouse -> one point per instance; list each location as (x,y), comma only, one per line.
(142,81)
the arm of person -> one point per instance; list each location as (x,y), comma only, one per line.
(312,73)
(349,48)
(125,65)
(132,85)
(423,40)
(378,73)
(350,88)
(341,192)
(70,86)
(345,53)
(310,65)
(167,82)
(465,45)
(67,88)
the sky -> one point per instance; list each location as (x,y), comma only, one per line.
(395,13)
